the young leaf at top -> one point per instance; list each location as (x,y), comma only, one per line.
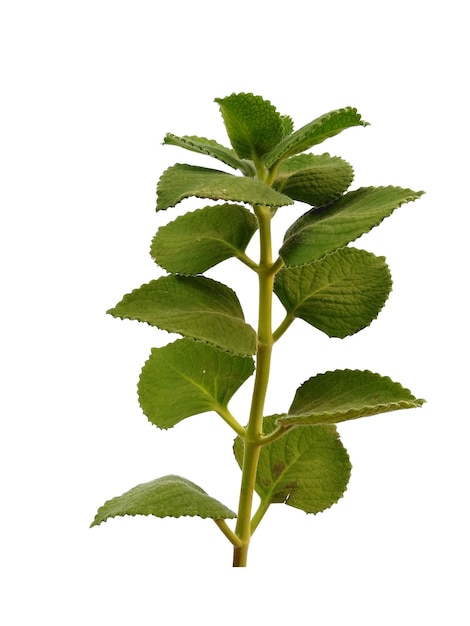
(168,496)
(315,132)
(314,179)
(193,306)
(183,181)
(186,378)
(253,125)
(307,468)
(323,230)
(198,240)
(344,395)
(340,294)
(213,149)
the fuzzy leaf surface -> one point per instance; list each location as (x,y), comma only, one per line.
(340,294)
(307,468)
(182,181)
(253,125)
(323,230)
(344,395)
(198,240)
(186,378)
(193,306)
(314,179)
(315,132)
(168,496)
(212,148)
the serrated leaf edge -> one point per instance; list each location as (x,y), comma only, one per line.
(412,403)
(184,481)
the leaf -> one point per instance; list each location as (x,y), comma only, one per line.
(187,378)
(194,306)
(198,240)
(344,395)
(168,496)
(314,179)
(340,294)
(183,181)
(307,468)
(315,132)
(253,125)
(323,230)
(210,147)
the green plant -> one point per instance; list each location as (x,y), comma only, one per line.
(295,457)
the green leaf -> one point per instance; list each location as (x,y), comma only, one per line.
(183,181)
(315,132)
(315,179)
(198,240)
(187,378)
(288,125)
(169,496)
(344,395)
(211,148)
(194,306)
(307,468)
(340,294)
(323,230)
(253,125)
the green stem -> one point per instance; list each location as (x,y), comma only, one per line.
(254,430)
(228,532)
(226,415)
(283,326)
(244,258)
(258,516)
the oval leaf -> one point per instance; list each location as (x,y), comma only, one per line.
(253,125)
(307,468)
(183,181)
(198,240)
(340,294)
(324,230)
(210,147)
(169,496)
(193,306)
(315,132)
(344,395)
(187,378)
(315,179)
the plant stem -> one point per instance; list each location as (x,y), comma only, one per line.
(254,429)
(228,532)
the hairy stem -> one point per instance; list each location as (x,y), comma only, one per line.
(254,430)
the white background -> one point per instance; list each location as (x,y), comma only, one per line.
(89,90)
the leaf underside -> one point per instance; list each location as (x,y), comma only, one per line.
(198,240)
(343,395)
(193,306)
(188,377)
(307,468)
(211,148)
(169,496)
(340,294)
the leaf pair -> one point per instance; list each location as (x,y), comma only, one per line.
(258,132)
(308,467)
